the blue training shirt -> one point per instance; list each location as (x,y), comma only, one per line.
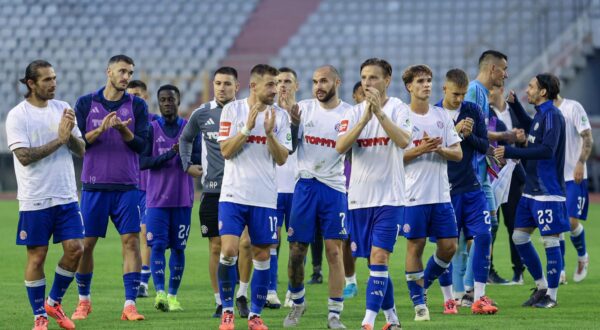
(462,175)
(545,152)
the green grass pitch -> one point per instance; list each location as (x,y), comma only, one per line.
(577,307)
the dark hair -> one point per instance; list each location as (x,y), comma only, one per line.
(226,70)
(121,58)
(169,88)
(356,87)
(137,84)
(458,77)
(31,73)
(288,70)
(383,64)
(489,54)
(550,83)
(262,69)
(415,70)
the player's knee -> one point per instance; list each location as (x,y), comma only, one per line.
(551,241)
(37,258)
(521,237)
(297,253)
(215,248)
(228,250)
(131,243)
(74,249)
(379,257)
(227,260)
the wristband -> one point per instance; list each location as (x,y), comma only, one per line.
(245,131)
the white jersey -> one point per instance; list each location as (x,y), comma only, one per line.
(377,177)
(318,131)
(286,175)
(576,121)
(427,175)
(249,175)
(49,181)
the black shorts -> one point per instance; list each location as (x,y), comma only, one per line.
(209,214)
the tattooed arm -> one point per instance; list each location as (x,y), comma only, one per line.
(27,156)
(586,150)
(76,145)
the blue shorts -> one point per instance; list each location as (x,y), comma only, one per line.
(550,217)
(284,209)
(121,206)
(142,206)
(62,222)
(472,215)
(261,222)
(316,205)
(374,226)
(429,220)
(168,226)
(577,199)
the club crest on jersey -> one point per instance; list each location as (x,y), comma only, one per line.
(337,127)
(124,112)
(225,128)
(440,124)
(536,126)
(23,235)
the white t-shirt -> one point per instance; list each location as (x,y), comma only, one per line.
(504,116)
(249,176)
(576,121)
(317,157)
(51,180)
(286,175)
(377,177)
(427,175)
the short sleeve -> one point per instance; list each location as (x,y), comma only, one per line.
(580,119)
(227,124)
(451,136)
(349,119)
(401,117)
(284,133)
(16,131)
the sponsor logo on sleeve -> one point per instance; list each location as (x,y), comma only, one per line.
(225,128)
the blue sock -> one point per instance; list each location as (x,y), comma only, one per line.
(259,285)
(562,252)
(146,274)
(297,294)
(446,278)
(578,240)
(176,267)
(481,257)
(36,292)
(531,259)
(157,265)
(131,281)
(435,268)
(84,283)
(377,286)
(415,290)
(227,275)
(273,271)
(388,299)
(554,260)
(62,280)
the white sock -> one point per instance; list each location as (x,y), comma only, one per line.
(144,284)
(272,292)
(86,297)
(129,302)
(458,295)
(370,318)
(351,279)
(468,288)
(160,291)
(541,283)
(390,315)
(51,301)
(552,292)
(479,291)
(218,299)
(171,296)
(583,258)
(447,292)
(243,290)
